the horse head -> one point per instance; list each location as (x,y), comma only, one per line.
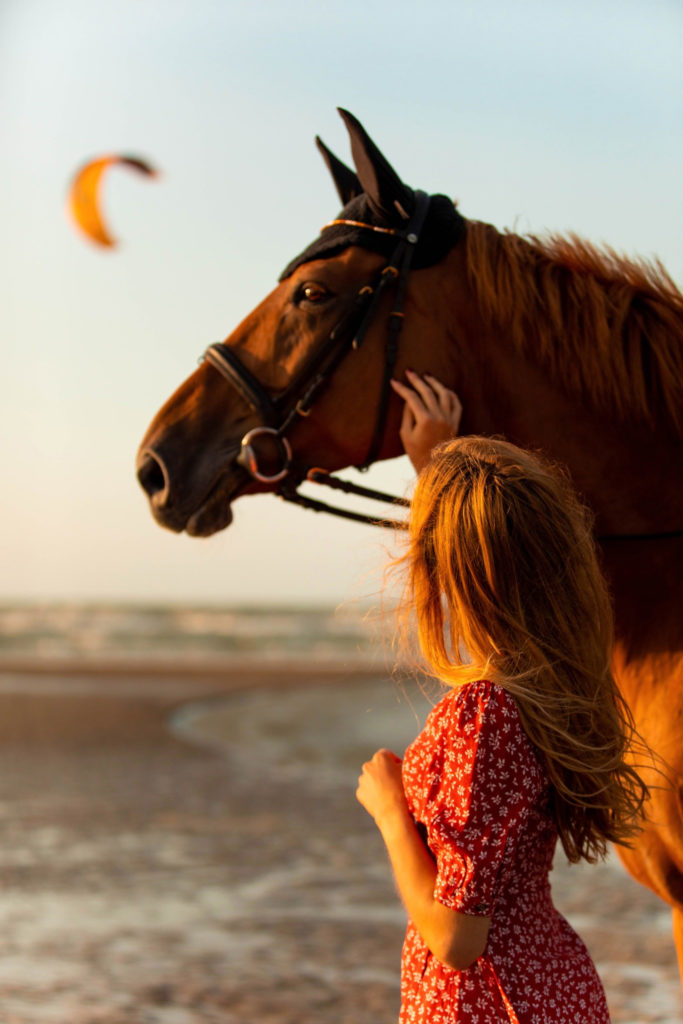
(303,381)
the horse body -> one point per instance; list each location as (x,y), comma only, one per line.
(490,325)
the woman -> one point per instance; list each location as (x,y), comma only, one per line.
(529,743)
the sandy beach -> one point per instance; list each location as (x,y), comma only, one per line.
(182,845)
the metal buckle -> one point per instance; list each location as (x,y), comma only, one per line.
(301,407)
(249,460)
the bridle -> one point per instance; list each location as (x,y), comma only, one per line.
(279,413)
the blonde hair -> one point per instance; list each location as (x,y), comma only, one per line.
(504,583)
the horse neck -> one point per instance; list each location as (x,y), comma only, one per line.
(624,469)
(623,472)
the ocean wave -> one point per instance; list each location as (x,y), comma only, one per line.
(82,629)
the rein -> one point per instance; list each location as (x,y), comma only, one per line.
(322,476)
(661,535)
(278,414)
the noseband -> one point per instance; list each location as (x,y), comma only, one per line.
(278,414)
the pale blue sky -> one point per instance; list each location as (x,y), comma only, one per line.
(535,115)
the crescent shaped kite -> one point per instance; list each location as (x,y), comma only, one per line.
(84,195)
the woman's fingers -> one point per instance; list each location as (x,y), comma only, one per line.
(401,389)
(431,414)
(428,397)
(408,421)
(443,393)
(413,401)
(419,396)
(449,403)
(409,397)
(384,754)
(425,391)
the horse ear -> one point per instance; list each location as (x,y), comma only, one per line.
(346,181)
(386,193)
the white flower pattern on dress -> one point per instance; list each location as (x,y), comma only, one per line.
(481,798)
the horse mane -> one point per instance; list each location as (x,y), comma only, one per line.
(608,327)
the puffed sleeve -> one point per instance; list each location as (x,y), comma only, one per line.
(483,787)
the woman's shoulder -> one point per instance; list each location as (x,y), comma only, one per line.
(482,718)
(472,703)
(478,723)
(479,713)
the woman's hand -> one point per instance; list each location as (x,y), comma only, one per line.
(380,787)
(431,414)
(454,938)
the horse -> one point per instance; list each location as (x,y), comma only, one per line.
(553,343)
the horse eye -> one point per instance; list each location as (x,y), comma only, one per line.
(311,292)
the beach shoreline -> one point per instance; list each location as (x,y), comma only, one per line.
(253,667)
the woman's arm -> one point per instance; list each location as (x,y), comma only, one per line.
(431,414)
(454,938)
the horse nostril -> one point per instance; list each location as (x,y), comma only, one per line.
(151,474)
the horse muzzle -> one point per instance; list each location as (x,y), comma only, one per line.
(264,459)
(178,507)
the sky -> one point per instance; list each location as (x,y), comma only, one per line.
(563,116)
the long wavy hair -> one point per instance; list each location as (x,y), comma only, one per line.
(502,577)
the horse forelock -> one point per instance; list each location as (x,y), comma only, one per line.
(608,327)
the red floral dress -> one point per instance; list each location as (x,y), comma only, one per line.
(481,798)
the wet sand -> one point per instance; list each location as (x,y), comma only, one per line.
(182,846)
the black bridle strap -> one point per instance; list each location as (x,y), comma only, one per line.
(223,359)
(326,360)
(348,333)
(403,257)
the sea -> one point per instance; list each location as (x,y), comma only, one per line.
(112,631)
